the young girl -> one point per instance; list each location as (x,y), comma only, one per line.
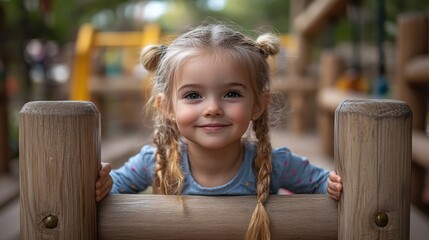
(210,85)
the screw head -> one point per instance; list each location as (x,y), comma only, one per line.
(381,219)
(50,222)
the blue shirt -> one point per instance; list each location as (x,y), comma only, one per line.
(289,171)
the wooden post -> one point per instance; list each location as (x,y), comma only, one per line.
(412,42)
(373,155)
(59,161)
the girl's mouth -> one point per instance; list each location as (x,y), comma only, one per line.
(213,126)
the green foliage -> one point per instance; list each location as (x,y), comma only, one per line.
(249,14)
(64,17)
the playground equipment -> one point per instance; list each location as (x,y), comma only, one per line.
(119,94)
(88,39)
(309,23)
(412,87)
(309,19)
(60,158)
(329,97)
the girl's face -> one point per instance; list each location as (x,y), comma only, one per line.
(212,102)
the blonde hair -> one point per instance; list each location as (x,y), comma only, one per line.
(251,56)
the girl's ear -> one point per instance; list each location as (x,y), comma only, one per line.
(261,105)
(161,105)
(160,102)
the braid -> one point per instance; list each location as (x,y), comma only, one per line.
(259,227)
(168,174)
(160,157)
(174,170)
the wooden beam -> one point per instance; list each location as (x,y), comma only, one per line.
(421,149)
(314,18)
(59,146)
(330,98)
(311,216)
(373,156)
(417,70)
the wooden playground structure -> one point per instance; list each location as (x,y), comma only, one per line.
(375,194)
(60,159)
(412,86)
(89,39)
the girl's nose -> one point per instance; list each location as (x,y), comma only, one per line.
(213,109)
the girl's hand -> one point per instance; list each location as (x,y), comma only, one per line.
(335,186)
(104,182)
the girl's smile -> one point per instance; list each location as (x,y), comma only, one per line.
(214,127)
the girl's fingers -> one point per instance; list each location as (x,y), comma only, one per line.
(103,174)
(333,194)
(334,177)
(106,192)
(334,190)
(103,193)
(107,184)
(338,187)
(335,187)
(105,169)
(102,181)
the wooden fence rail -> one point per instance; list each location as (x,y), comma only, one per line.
(60,157)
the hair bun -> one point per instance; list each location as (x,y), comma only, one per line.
(150,56)
(269,44)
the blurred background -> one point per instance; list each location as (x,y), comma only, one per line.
(331,50)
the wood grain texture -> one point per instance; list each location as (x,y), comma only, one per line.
(163,217)
(373,156)
(59,159)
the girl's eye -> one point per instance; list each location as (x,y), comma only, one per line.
(233,94)
(192,96)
